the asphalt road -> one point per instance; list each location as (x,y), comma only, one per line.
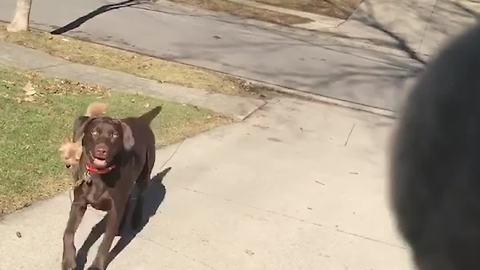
(304,61)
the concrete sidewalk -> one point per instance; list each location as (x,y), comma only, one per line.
(297,185)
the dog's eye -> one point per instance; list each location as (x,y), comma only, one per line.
(94,133)
(115,135)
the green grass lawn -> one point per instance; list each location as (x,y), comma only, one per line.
(34,123)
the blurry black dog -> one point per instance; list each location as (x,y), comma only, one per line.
(436,160)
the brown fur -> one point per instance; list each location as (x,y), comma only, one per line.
(127,148)
(96,109)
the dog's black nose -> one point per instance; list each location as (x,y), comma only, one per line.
(68,166)
(101,151)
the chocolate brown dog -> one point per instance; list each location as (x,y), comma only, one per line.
(117,154)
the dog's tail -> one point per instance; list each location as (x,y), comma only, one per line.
(96,109)
(150,115)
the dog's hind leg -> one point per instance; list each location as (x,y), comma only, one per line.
(142,185)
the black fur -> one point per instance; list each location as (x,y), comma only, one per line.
(436,160)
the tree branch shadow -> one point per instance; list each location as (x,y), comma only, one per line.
(436,23)
(78,22)
(369,18)
(153,197)
(467,10)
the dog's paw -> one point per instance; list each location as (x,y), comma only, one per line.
(97,265)
(69,264)
(68,260)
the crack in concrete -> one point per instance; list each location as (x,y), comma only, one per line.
(370,239)
(349,135)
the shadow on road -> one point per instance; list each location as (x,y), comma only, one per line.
(78,22)
(445,15)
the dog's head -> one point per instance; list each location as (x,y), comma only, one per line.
(103,138)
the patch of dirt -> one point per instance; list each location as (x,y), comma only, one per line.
(245,11)
(341,9)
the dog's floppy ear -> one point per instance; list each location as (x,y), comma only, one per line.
(79,127)
(128,140)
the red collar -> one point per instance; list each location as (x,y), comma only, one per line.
(92,169)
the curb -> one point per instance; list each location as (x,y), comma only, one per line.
(324,99)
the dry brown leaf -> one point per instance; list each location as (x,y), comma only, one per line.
(29,89)
(8,82)
(29,99)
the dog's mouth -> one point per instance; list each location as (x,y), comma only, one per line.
(98,162)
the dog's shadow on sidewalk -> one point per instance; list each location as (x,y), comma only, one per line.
(153,197)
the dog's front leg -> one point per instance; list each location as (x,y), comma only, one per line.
(77,210)
(114,217)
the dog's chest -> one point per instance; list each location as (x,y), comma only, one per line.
(95,192)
